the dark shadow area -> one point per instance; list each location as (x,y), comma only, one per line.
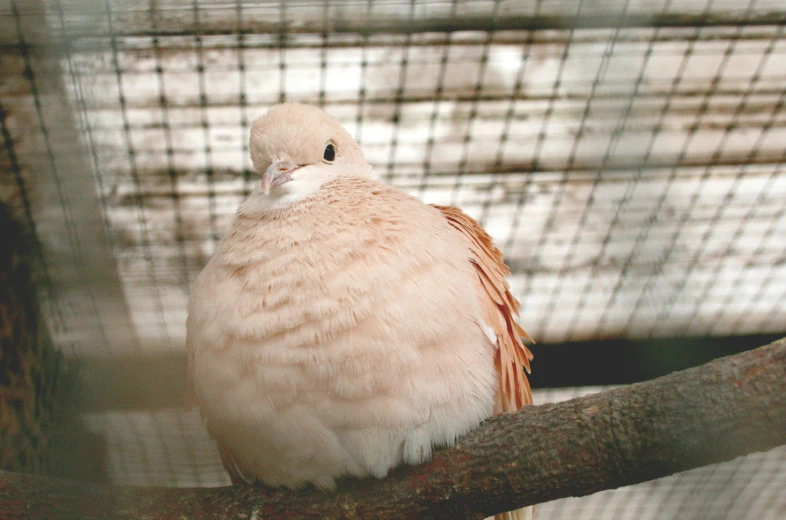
(621,361)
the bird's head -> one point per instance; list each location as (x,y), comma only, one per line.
(298,148)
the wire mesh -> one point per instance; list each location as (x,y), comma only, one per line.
(627,157)
(625,170)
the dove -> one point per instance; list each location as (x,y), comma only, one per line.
(344,327)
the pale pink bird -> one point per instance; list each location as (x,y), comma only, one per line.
(344,327)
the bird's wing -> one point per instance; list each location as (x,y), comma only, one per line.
(501,309)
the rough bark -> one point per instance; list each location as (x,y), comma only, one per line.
(716,412)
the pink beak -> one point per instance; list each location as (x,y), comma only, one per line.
(277,174)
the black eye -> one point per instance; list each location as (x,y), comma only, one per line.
(330,153)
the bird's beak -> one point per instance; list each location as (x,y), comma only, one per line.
(277,174)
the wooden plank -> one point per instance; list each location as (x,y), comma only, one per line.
(178,17)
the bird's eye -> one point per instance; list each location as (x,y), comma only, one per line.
(330,153)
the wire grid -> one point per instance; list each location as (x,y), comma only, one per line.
(627,158)
(633,176)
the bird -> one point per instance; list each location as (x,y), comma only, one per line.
(344,327)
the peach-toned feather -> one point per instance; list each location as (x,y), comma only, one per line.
(501,310)
(512,357)
(349,328)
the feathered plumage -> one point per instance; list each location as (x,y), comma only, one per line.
(344,327)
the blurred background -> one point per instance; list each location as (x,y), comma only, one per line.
(626,155)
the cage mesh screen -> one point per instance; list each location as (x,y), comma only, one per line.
(627,157)
(633,175)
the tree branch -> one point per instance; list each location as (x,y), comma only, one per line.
(704,415)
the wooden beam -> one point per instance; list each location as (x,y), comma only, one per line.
(157,382)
